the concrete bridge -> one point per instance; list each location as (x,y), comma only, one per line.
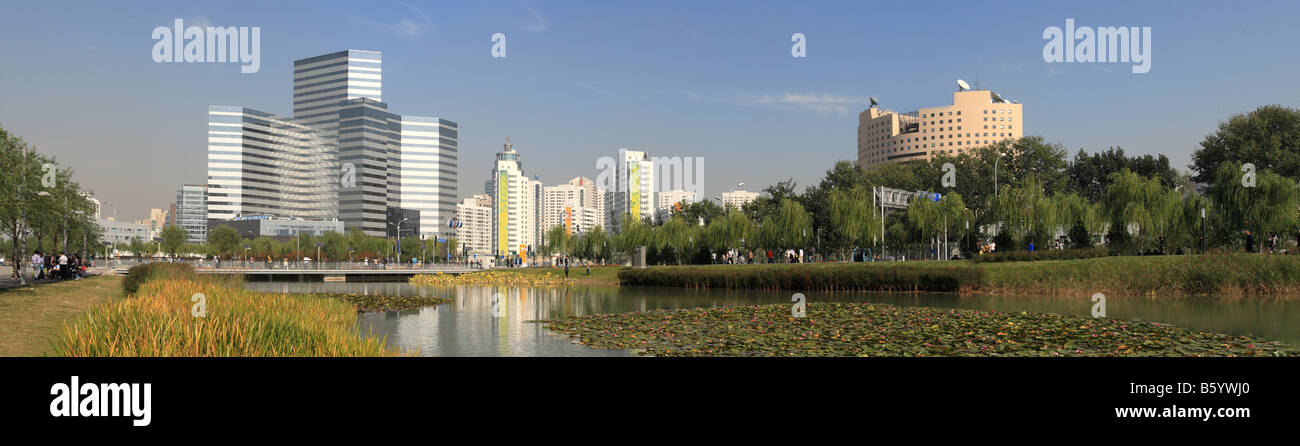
(329,275)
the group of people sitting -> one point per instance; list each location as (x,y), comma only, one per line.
(60,267)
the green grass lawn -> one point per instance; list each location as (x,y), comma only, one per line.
(32,317)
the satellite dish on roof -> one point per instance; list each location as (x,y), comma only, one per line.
(996,98)
(873,101)
(961,84)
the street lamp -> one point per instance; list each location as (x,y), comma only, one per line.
(245,262)
(995,172)
(399,238)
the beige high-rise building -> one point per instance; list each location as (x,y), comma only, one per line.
(156,221)
(737,198)
(475,231)
(975,118)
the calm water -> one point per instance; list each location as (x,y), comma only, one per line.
(465,327)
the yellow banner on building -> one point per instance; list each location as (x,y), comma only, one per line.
(634,177)
(568,220)
(503,214)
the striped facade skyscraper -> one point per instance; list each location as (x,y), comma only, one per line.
(264,164)
(341,156)
(429,170)
(322,83)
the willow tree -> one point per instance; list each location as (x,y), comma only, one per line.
(675,234)
(557,242)
(1075,211)
(1166,207)
(786,228)
(1131,199)
(852,217)
(921,217)
(733,230)
(1028,212)
(1269,204)
(931,219)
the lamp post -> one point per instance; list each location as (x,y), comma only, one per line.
(995,172)
(246,246)
(1202,230)
(22,222)
(399,238)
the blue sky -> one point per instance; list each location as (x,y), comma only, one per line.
(581,79)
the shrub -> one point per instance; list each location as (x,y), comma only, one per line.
(822,276)
(1027,256)
(139,274)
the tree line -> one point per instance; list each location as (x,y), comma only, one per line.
(1131,204)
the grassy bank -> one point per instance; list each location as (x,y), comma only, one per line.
(857,329)
(1222,275)
(156,320)
(898,277)
(1219,275)
(33,316)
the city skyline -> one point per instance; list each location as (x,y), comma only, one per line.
(691,81)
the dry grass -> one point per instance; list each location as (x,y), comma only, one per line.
(157,321)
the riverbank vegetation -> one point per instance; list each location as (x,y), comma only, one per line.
(890,277)
(1216,275)
(859,329)
(370,303)
(158,319)
(1051,254)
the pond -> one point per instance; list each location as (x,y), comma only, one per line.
(469,326)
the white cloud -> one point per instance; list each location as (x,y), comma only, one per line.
(411,26)
(536,23)
(820,103)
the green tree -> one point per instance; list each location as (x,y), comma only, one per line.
(557,241)
(1269,206)
(675,235)
(852,219)
(224,240)
(174,237)
(787,228)
(1130,201)
(1267,137)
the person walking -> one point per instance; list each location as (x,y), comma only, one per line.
(38,263)
(566,267)
(63,266)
